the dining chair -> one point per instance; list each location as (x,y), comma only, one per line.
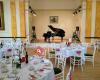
(59,69)
(98,45)
(77,59)
(51,53)
(69,74)
(89,56)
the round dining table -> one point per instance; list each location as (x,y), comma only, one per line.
(68,51)
(37,68)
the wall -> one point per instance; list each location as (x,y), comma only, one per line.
(88,19)
(97,24)
(92,20)
(66,21)
(55,4)
(14,18)
(7,19)
(30,25)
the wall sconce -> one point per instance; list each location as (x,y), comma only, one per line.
(32,11)
(79,9)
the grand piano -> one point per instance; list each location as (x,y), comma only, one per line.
(56,32)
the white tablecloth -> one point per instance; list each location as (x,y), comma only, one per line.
(42,69)
(71,51)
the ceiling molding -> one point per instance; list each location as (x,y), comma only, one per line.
(54,9)
(55,4)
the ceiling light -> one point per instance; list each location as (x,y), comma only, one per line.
(77,10)
(32,11)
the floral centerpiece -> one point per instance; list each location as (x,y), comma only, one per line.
(9,50)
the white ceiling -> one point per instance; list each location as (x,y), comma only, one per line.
(55,4)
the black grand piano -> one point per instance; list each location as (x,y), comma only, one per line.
(56,32)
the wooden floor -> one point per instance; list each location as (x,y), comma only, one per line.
(57,40)
(89,73)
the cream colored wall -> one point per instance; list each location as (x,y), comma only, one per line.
(66,21)
(56,4)
(30,25)
(7,19)
(97,24)
(14,19)
(92,20)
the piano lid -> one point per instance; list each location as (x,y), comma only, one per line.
(56,29)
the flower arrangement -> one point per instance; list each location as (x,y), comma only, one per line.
(78,52)
(9,50)
(68,43)
(57,49)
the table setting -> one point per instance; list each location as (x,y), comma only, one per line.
(68,51)
(39,67)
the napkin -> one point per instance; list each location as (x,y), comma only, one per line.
(4,70)
(32,77)
(35,62)
(47,68)
(41,70)
(31,68)
(46,61)
(11,76)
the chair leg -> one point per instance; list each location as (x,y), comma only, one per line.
(78,64)
(63,75)
(93,63)
(73,67)
(82,67)
(56,61)
(65,61)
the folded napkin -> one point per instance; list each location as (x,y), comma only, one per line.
(31,68)
(57,49)
(47,68)
(47,65)
(41,70)
(11,76)
(14,71)
(4,70)
(36,62)
(32,77)
(46,61)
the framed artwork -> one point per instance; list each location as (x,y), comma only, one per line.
(2,26)
(53,19)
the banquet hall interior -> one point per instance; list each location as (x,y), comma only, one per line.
(49,39)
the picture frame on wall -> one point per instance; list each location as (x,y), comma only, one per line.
(53,19)
(2,26)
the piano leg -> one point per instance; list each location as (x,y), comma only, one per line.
(61,39)
(52,38)
(45,39)
(49,40)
